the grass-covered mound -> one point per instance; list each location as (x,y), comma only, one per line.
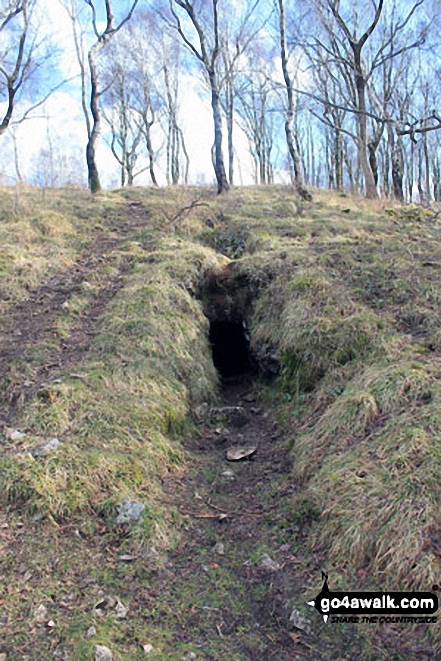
(120,410)
(351,304)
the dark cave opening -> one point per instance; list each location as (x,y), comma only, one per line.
(230,348)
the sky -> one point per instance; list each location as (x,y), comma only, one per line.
(61,123)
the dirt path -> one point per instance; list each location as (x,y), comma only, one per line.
(232,585)
(31,324)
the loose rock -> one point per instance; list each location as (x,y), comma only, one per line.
(129,511)
(298,621)
(240,452)
(40,614)
(200,412)
(147,648)
(14,434)
(228,476)
(102,653)
(234,416)
(107,604)
(45,448)
(90,633)
(268,563)
(121,610)
(150,553)
(219,548)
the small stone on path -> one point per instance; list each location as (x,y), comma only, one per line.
(40,614)
(121,610)
(235,416)
(90,633)
(14,434)
(102,653)
(240,452)
(298,621)
(268,563)
(219,548)
(228,475)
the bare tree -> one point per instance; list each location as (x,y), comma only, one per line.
(205,46)
(255,91)
(240,27)
(118,113)
(22,55)
(92,112)
(353,62)
(291,139)
(174,134)
(145,99)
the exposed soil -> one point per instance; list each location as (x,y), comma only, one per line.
(239,602)
(31,322)
(241,568)
(221,602)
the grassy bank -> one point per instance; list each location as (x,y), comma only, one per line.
(352,307)
(345,293)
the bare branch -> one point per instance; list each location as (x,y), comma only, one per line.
(41,101)
(10,16)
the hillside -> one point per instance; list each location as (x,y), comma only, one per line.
(324,320)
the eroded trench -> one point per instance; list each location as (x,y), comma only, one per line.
(228,301)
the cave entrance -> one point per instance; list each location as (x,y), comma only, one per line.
(230,348)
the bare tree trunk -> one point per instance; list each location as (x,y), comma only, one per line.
(427,167)
(289,119)
(338,150)
(386,171)
(16,158)
(313,177)
(175,172)
(219,166)
(369,178)
(436,180)
(93,176)
(397,164)
(151,154)
(230,126)
(420,177)
(411,171)
(349,170)
(186,156)
(329,164)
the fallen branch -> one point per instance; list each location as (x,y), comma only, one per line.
(185,210)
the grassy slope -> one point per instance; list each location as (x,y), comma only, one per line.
(349,295)
(120,413)
(353,308)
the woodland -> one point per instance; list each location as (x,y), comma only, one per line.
(329,94)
